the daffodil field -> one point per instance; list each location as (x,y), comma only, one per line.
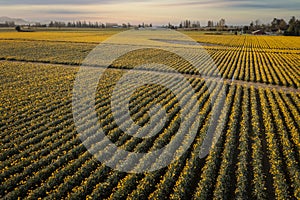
(256,157)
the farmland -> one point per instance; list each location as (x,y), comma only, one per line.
(256,157)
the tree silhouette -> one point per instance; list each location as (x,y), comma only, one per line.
(294,27)
(18,28)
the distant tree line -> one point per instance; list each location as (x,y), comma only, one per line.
(293,27)
(189,24)
(277,26)
(8,24)
(143,25)
(195,25)
(77,24)
(85,24)
(280,26)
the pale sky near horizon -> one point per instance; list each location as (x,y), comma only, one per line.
(151,11)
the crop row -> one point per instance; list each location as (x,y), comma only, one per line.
(45,157)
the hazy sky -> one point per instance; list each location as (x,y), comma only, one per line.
(151,11)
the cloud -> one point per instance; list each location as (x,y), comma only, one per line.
(188,3)
(245,4)
(250,4)
(67,12)
(154,11)
(63,2)
(266,4)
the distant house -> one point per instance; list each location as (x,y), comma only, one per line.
(258,32)
(112,25)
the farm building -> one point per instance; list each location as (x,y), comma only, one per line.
(258,32)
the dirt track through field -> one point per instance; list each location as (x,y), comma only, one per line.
(256,85)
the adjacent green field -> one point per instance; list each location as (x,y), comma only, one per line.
(256,157)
